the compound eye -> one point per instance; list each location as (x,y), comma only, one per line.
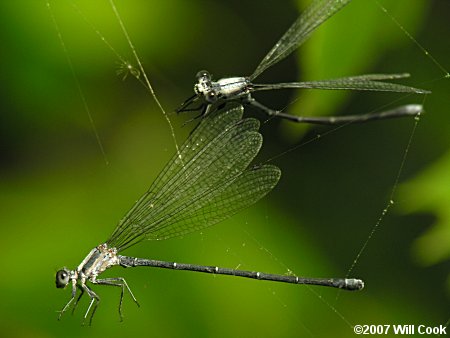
(211,97)
(203,74)
(62,278)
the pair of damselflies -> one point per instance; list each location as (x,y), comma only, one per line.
(211,178)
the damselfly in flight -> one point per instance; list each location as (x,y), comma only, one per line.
(207,181)
(213,94)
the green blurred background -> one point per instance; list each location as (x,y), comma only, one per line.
(59,196)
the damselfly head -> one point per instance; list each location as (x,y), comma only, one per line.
(203,74)
(204,87)
(62,278)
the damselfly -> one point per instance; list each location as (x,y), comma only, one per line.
(207,181)
(213,94)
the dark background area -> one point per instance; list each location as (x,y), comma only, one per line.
(60,196)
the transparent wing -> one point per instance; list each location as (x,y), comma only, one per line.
(313,16)
(208,129)
(218,204)
(369,82)
(213,157)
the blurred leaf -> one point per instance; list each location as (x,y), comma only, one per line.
(429,192)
